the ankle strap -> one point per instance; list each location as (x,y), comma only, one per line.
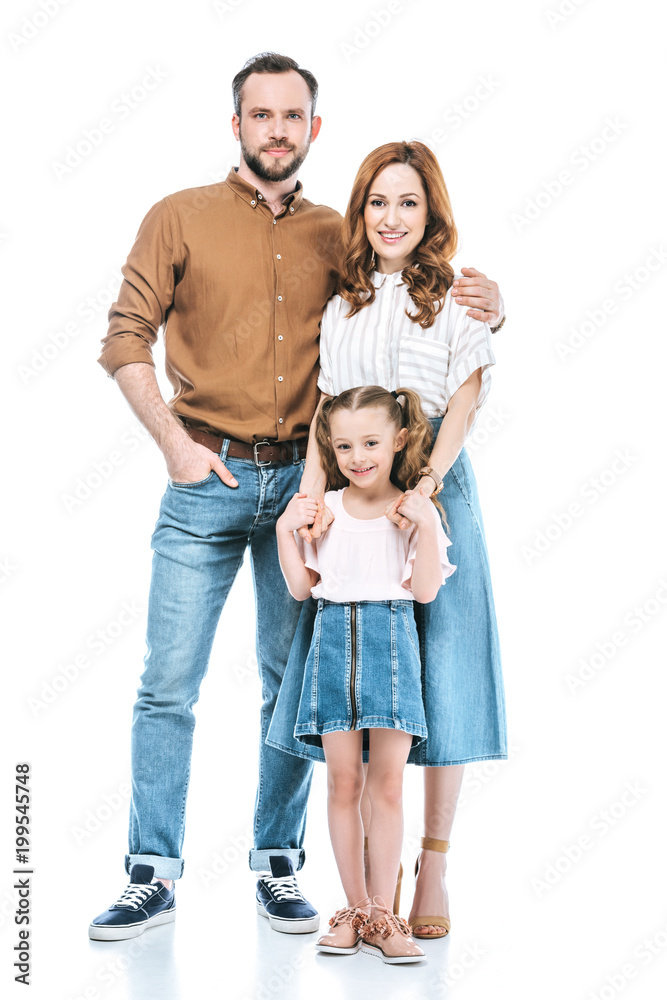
(430,844)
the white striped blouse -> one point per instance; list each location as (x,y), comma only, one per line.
(382,346)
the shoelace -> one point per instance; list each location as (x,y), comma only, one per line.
(283,888)
(352,915)
(136,895)
(386,924)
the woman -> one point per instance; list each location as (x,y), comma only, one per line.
(395,323)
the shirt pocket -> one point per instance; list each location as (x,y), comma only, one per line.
(423,365)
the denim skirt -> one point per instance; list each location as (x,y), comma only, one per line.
(362,671)
(462,684)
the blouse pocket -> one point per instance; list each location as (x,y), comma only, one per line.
(423,365)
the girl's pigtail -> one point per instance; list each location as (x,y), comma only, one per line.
(415,455)
(335,480)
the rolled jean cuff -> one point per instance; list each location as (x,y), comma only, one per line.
(164,867)
(259,860)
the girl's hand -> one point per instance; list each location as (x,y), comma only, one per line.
(415,505)
(391,512)
(321,522)
(301,510)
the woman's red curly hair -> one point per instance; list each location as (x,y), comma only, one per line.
(430,275)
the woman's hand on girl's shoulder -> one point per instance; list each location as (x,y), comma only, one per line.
(300,511)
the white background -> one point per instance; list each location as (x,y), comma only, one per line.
(536,89)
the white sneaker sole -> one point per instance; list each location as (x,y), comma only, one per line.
(305,926)
(370,949)
(330,949)
(121,932)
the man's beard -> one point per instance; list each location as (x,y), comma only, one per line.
(278,171)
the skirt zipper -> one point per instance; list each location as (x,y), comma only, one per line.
(353,672)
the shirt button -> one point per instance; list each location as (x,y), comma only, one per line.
(278,256)
(253,203)
(291,209)
(259,196)
(280,378)
(280,298)
(275,223)
(280,336)
(280,420)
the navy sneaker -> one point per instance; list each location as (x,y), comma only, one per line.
(280,899)
(143,904)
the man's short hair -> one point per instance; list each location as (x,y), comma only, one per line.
(271,62)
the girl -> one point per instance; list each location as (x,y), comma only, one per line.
(363,671)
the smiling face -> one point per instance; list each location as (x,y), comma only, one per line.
(395,214)
(365,443)
(275,128)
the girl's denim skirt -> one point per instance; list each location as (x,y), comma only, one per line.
(462,683)
(362,671)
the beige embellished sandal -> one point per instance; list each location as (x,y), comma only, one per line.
(430,844)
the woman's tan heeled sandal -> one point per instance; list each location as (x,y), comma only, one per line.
(442,846)
(399,880)
(397,894)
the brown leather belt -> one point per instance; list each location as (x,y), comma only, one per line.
(262,453)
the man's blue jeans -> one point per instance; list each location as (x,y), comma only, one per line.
(198,546)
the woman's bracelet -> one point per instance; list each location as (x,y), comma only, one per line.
(428,471)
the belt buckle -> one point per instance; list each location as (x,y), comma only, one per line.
(257,445)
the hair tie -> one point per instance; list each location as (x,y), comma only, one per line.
(396,395)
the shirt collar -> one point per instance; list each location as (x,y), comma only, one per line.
(379,279)
(253,197)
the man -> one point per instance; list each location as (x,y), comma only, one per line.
(238,273)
